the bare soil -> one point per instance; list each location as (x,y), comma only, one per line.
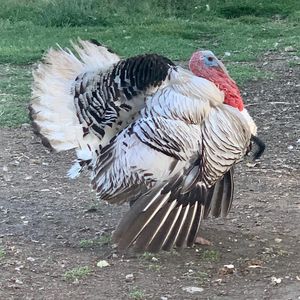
(50,225)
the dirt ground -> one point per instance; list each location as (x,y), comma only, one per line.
(50,225)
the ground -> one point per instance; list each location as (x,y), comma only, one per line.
(53,232)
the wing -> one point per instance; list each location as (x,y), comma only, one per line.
(82,102)
(174,163)
(108,101)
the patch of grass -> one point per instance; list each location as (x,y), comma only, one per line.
(201,277)
(210,255)
(104,240)
(77,273)
(136,294)
(101,241)
(294,64)
(242,73)
(24,42)
(176,28)
(86,243)
(147,256)
(154,267)
(2,253)
(15,84)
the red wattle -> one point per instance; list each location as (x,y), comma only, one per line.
(219,78)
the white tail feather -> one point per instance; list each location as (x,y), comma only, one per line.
(52,106)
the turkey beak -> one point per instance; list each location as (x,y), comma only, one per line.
(222,67)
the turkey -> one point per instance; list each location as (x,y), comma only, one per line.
(163,138)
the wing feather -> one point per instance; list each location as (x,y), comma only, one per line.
(181,150)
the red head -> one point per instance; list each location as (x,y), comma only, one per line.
(205,64)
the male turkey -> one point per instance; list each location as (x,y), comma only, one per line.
(152,134)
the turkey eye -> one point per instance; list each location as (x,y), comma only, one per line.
(210,58)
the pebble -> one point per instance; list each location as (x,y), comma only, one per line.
(229,266)
(30,259)
(18,281)
(290,147)
(129,278)
(193,289)
(275,280)
(25,126)
(289,49)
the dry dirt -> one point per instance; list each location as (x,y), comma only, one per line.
(50,225)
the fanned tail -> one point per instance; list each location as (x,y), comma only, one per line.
(52,110)
(165,218)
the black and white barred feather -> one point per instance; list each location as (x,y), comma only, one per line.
(152,134)
(81,104)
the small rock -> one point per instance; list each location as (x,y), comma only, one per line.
(251,164)
(163,298)
(290,147)
(226,270)
(115,255)
(277,240)
(275,280)
(154,259)
(229,266)
(25,126)
(227,53)
(30,259)
(193,289)
(289,49)
(102,264)
(129,278)
(18,281)
(298,141)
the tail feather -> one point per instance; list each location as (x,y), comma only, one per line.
(195,225)
(181,240)
(136,219)
(222,196)
(164,217)
(176,229)
(147,236)
(52,109)
(163,235)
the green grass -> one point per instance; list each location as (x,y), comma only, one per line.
(245,29)
(101,241)
(242,73)
(77,273)
(15,83)
(136,294)
(210,255)
(2,253)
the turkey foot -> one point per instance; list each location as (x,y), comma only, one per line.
(202,241)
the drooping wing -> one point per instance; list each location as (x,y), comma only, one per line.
(174,165)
